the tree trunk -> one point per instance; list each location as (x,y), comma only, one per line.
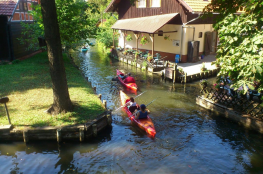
(61,102)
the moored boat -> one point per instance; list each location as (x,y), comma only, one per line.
(132,86)
(145,124)
(84,49)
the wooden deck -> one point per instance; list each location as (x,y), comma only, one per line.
(192,71)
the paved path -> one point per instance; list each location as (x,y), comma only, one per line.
(194,68)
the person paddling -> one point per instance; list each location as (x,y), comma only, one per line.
(142,113)
(129,79)
(132,105)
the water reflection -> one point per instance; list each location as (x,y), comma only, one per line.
(189,139)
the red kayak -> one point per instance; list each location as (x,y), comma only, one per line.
(132,86)
(145,124)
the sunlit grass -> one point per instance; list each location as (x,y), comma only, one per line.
(28,86)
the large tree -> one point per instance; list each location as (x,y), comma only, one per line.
(75,19)
(240,46)
(61,102)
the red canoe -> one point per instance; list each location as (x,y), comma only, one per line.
(132,86)
(145,124)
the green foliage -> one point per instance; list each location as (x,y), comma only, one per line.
(74,22)
(15,61)
(105,33)
(239,53)
(144,40)
(144,63)
(129,37)
(181,70)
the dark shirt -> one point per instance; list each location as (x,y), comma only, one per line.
(143,115)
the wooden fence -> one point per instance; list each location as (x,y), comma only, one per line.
(244,104)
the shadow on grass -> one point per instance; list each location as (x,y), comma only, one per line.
(33,73)
(80,115)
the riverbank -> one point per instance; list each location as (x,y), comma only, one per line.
(28,86)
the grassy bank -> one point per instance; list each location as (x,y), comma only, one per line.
(28,86)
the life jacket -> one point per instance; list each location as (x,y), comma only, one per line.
(143,115)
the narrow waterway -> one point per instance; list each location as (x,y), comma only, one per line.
(189,139)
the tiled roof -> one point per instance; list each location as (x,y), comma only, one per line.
(7,7)
(197,5)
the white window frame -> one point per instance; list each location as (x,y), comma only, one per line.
(155,3)
(141,4)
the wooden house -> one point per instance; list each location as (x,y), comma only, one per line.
(172,27)
(12,13)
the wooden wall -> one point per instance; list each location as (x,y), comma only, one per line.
(126,10)
(4,39)
(19,50)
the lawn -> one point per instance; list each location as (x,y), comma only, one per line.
(28,86)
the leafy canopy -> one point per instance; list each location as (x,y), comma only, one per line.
(74,22)
(240,46)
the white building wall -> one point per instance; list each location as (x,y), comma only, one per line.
(167,45)
(188,36)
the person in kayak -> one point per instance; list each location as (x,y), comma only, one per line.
(129,79)
(132,105)
(122,76)
(142,113)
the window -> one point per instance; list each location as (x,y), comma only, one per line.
(23,5)
(141,4)
(155,3)
(200,35)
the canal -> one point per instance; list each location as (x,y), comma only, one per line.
(189,139)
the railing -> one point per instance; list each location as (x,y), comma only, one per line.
(246,104)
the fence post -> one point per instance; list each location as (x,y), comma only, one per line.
(175,68)
(59,135)
(105,103)
(25,136)
(81,134)
(4,100)
(95,130)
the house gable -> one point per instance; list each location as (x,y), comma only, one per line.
(7,7)
(126,10)
(183,7)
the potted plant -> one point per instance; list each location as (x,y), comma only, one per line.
(166,37)
(125,52)
(203,83)
(149,58)
(180,70)
(117,34)
(217,87)
(203,68)
(215,63)
(129,37)
(144,40)
(144,65)
(136,54)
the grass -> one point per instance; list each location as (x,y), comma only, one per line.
(28,86)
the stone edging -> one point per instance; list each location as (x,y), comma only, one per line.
(245,120)
(59,133)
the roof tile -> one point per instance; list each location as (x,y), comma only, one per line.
(197,5)
(7,7)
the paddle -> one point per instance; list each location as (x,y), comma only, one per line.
(152,101)
(129,101)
